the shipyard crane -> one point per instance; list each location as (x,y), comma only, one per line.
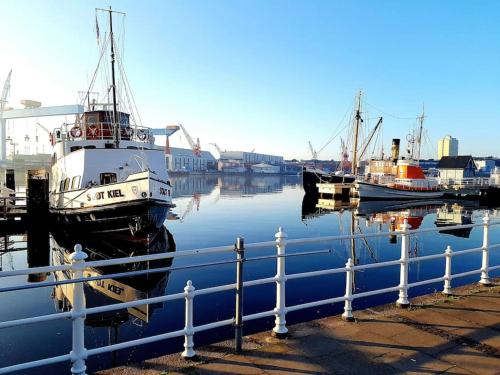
(344,156)
(166,131)
(313,151)
(219,150)
(5,91)
(194,146)
(3,106)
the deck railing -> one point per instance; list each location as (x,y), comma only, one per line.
(79,311)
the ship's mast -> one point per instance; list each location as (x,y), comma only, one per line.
(356,132)
(419,139)
(116,123)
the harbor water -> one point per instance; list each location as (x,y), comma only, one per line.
(213,210)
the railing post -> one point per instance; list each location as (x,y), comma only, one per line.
(403,276)
(447,272)
(347,315)
(485,279)
(238,322)
(280,330)
(78,352)
(188,328)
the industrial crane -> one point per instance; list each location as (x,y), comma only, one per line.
(194,146)
(167,131)
(5,92)
(313,151)
(219,150)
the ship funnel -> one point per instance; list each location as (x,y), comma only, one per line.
(395,150)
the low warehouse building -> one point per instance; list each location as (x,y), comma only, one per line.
(183,160)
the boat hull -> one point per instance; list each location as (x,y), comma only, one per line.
(139,217)
(368,190)
(311,178)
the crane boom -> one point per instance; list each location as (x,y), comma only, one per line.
(194,146)
(313,151)
(217,147)
(5,91)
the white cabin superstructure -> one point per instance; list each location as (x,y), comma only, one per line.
(92,180)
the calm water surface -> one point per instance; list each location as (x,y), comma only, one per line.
(213,211)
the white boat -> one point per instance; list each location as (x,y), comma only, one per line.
(107,174)
(409,183)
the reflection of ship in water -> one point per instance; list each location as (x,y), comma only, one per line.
(109,291)
(313,207)
(454,214)
(394,214)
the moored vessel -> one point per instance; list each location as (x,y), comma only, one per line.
(409,183)
(107,173)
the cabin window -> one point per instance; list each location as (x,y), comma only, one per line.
(91,119)
(75,182)
(66,184)
(61,186)
(108,178)
(87,147)
(75,148)
(109,145)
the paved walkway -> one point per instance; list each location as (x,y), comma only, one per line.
(451,335)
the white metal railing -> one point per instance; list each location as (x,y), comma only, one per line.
(79,311)
(466,181)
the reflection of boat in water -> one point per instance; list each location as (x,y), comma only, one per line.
(312,206)
(454,214)
(369,207)
(109,291)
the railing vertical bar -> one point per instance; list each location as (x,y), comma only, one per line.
(447,272)
(238,323)
(485,278)
(78,352)
(188,328)
(403,276)
(280,330)
(349,277)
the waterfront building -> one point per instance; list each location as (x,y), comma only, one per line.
(485,165)
(265,168)
(183,160)
(456,167)
(242,161)
(447,146)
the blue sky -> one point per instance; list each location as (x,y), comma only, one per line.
(272,75)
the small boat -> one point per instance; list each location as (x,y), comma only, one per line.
(409,183)
(311,177)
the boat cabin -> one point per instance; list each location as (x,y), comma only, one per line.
(99,125)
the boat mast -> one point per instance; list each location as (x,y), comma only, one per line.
(356,132)
(116,123)
(419,139)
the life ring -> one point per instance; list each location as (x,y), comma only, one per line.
(76,132)
(141,134)
(93,131)
(126,132)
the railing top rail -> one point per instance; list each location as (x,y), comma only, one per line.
(230,249)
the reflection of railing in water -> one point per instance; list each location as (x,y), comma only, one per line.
(79,311)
